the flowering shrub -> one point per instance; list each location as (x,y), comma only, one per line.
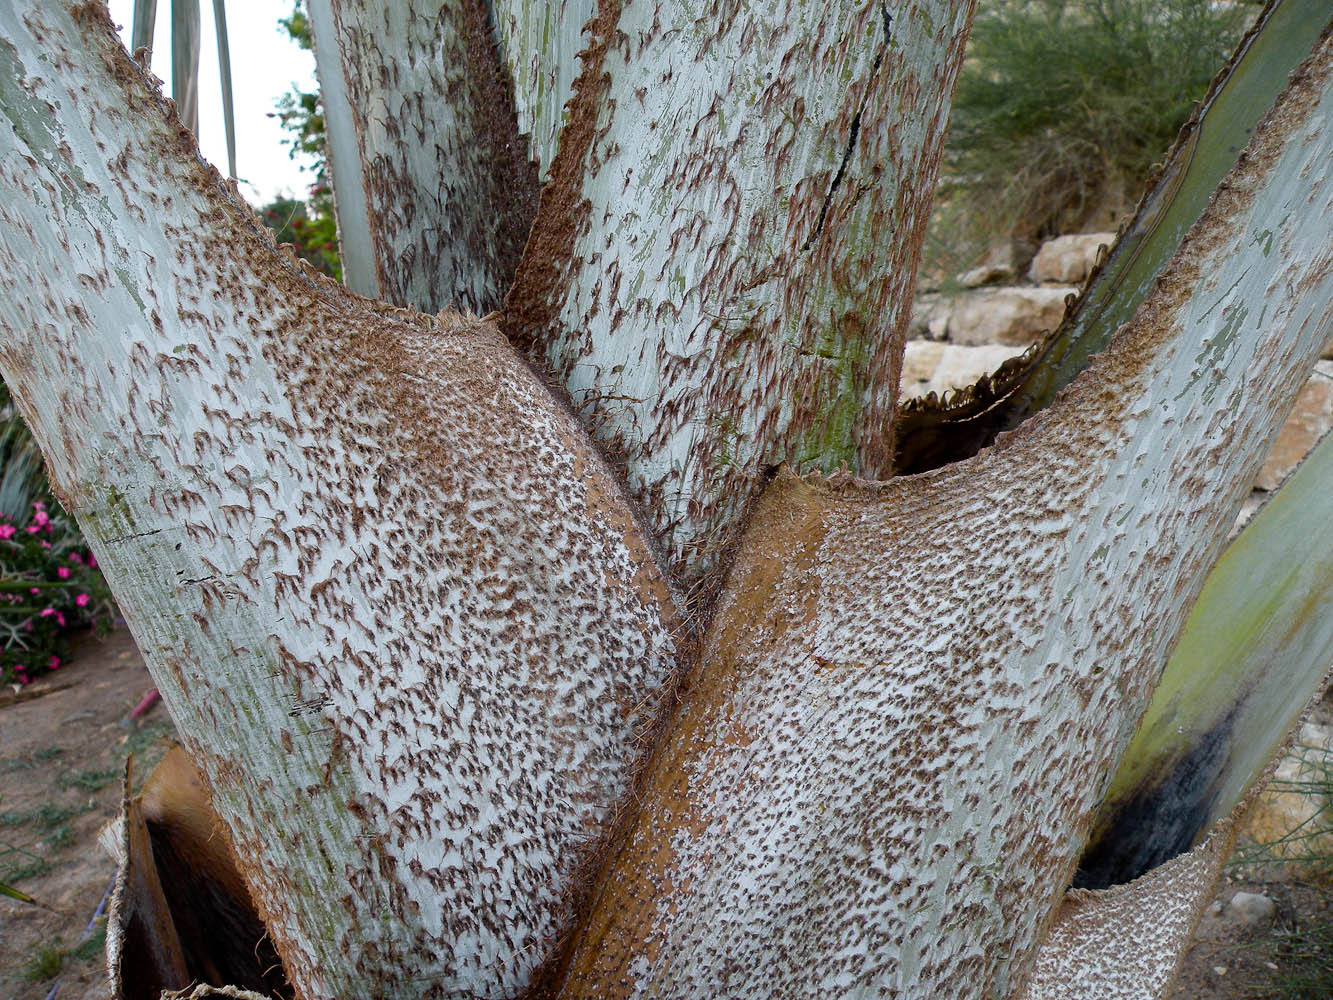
(314,240)
(308,226)
(49,586)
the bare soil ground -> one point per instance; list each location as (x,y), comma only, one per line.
(63,747)
(1288,958)
(62,757)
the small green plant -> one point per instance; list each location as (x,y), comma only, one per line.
(88,781)
(1301,951)
(1304,960)
(28,761)
(46,817)
(1065,105)
(35,866)
(1308,846)
(46,964)
(91,947)
(49,586)
(61,836)
(51,959)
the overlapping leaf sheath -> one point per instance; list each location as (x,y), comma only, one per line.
(539,44)
(722,263)
(180,911)
(398,608)
(1125,943)
(434,190)
(914,693)
(1256,648)
(143,948)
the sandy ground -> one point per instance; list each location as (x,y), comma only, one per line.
(1287,958)
(63,748)
(62,756)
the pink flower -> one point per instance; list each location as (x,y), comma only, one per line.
(34,528)
(62,572)
(60,617)
(74,557)
(82,601)
(41,518)
(23,679)
(92,560)
(54,663)
(34,590)
(7,530)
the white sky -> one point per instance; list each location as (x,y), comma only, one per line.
(265,64)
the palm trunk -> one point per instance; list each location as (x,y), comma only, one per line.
(722,264)
(444,193)
(416,635)
(915,692)
(398,608)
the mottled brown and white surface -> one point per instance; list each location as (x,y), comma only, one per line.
(394,601)
(914,692)
(721,267)
(421,120)
(1125,943)
(539,44)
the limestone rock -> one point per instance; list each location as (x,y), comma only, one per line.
(985,274)
(920,359)
(1310,420)
(933,367)
(1251,909)
(1003,263)
(961,366)
(1287,817)
(1068,259)
(930,318)
(1014,316)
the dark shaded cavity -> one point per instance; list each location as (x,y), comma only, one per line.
(1163,819)
(222,938)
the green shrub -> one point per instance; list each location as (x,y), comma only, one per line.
(22,476)
(315,240)
(1064,102)
(1307,849)
(46,964)
(1304,962)
(1300,948)
(49,586)
(310,226)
